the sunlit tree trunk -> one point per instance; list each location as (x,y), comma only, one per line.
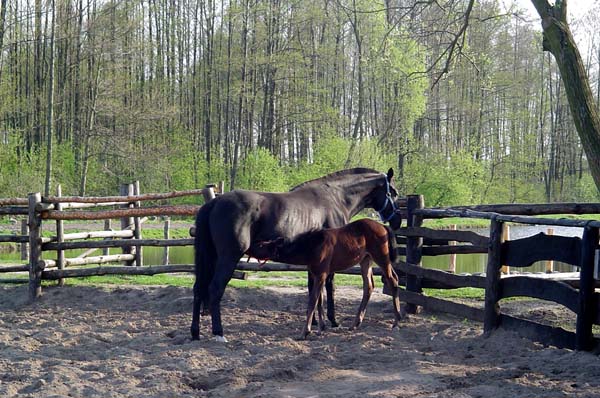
(559,41)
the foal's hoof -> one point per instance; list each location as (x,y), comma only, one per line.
(304,335)
(220,339)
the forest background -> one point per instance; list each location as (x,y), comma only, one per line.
(265,94)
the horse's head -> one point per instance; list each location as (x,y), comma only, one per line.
(383,201)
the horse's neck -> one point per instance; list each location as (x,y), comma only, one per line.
(354,194)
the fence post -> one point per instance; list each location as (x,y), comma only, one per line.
(493,293)
(35,247)
(505,236)
(107,227)
(127,222)
(24,246)
(550,263)
(208,193)
(587,303)
(60,237)
(166,236)
(414,246)
(137,232)
(452,264)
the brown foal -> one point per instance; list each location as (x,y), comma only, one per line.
(331,250)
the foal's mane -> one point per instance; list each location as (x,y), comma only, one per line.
(336,175)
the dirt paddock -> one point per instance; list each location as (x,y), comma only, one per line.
(134,342)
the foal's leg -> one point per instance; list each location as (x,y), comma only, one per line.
(320,310)
(330,290)
(313,297)
(391,280)
(368,286)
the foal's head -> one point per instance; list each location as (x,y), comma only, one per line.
(267,249)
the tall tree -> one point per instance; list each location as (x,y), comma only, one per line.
(559,41)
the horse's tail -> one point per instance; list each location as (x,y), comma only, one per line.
(204,251)
(392,245)
(204,260)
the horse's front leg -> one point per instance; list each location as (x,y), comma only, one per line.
(368,286)
(313,297)
(330,289)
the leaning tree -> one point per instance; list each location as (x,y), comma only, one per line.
(558,40)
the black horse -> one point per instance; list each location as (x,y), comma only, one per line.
(229,226)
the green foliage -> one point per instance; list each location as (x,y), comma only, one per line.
(446,181)
(261,171)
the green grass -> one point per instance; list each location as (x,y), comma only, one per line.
(471,293)
(258,279)
(461,223)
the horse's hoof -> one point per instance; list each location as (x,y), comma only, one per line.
(220,339)
(334,324)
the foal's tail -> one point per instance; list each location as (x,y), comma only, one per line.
(392,245)
(204,269)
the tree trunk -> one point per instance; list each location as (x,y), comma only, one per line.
(559,41)
(50,111)
(2,29)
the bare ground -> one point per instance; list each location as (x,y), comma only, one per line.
(134,342)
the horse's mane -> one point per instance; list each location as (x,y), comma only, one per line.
(336,175)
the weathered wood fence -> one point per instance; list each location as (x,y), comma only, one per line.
(125,207)
(577,295)
(416,242)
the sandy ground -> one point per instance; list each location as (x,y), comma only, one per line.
(134,342)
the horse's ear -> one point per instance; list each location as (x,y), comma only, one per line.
(390,174)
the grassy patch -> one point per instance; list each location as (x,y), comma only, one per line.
(461,223)
(471,293)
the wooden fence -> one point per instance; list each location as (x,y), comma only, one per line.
(128,238)
(415,241)
(577,295)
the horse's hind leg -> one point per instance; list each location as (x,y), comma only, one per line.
(195,328)
(201,304)
(223,273)
(368,286)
